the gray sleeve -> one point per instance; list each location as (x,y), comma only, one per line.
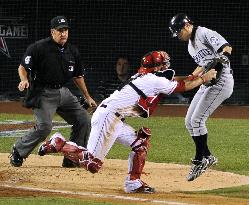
(214,39)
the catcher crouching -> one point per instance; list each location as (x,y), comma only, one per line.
(138,97)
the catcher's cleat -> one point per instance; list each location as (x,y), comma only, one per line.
(144,189)
(212,160)
(15,159)
(137,186)
(198,167)
(67,163)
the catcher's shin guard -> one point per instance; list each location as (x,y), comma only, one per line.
(73,152)
(138,154)
(53,145)
(80,156)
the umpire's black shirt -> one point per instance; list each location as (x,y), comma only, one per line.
(52,63)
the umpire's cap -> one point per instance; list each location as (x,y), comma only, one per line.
(178,22)
(59,22)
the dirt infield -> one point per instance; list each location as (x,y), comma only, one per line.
(44,176)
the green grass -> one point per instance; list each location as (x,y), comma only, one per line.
(170,142)
(51,201)
(237,192)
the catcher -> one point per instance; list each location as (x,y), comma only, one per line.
(138,97)
(209,50)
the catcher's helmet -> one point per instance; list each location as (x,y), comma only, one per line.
(178,22)
(154,59)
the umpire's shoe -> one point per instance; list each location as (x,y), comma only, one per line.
(198,167)
(67,163)
(15,159)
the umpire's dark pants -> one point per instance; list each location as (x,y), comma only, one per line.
(63,102)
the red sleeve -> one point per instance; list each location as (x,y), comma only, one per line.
(180,88)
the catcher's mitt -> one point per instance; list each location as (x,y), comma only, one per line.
(217,64)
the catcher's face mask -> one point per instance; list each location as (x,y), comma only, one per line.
(155,61)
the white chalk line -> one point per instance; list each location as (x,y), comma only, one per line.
(20,132)
(96,195)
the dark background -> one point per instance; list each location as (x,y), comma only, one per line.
(104,30)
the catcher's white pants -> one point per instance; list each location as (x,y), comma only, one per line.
(106,129)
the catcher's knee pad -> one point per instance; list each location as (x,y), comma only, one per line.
(142,141)
(90,163)
(58,141)
(138,154)
(53,145)
(94,165)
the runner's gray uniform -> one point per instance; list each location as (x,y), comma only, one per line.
(203,47)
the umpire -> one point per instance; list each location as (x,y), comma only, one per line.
(46,67)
